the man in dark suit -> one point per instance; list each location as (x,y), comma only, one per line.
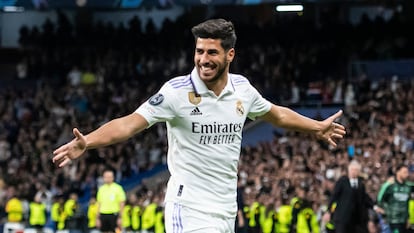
(352,202)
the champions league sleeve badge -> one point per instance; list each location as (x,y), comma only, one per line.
(156,99)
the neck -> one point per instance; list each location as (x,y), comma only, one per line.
(399,180)
(218,85)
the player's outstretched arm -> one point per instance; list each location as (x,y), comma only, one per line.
(327,130)
(114,131)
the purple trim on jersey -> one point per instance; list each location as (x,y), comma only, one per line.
(177,223)
(239,80)
(180,82)
(194,87)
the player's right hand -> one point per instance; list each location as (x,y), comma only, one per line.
(71,150)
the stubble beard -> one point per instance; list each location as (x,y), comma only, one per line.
(219,73)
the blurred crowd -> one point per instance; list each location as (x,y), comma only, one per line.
(85,74)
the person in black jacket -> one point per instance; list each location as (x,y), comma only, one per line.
(352,202)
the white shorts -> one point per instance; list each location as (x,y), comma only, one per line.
(181,219)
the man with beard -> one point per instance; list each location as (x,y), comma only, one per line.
(205,112)
(395,199)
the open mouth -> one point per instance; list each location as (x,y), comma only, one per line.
(206,70)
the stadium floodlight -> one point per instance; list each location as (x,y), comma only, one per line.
(289,8)
(13,9)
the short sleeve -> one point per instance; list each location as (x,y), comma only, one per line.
(159,107)
(260,105)
(121,193)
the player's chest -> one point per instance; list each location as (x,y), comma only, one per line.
(211,108)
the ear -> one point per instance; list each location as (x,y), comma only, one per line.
(230,54)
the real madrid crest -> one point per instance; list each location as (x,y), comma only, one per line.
(194,98)
(239,108)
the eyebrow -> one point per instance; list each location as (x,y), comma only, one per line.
(208,50)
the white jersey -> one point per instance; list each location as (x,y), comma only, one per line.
(204,137)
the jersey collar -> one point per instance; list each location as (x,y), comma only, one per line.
(201,88)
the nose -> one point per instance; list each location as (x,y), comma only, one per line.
(204,58)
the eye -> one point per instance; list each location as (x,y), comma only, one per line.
(199,51)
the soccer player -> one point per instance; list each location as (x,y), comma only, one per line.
(395,201)
(205,112)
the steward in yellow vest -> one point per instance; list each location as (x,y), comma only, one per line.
(136,214)
(411,212)
(92,213)
(159,220)
(70,208)
(269,223)
(149,217)
(307,221)
(330,227)
(14,210)
(304,219)
(37,214)
(284,216)
(131,214)
(57,212)
(254,218)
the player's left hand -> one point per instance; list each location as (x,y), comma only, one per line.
(331,131)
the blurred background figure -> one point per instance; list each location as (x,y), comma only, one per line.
(304,219)
(395,201)
(92,214)
(15,212)
(111,200)
(352,202)
(37,214)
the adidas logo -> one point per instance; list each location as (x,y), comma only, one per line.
(196,111)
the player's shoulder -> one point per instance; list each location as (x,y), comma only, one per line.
(179,82)
(239,80)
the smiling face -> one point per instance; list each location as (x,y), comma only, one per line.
(212,61)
